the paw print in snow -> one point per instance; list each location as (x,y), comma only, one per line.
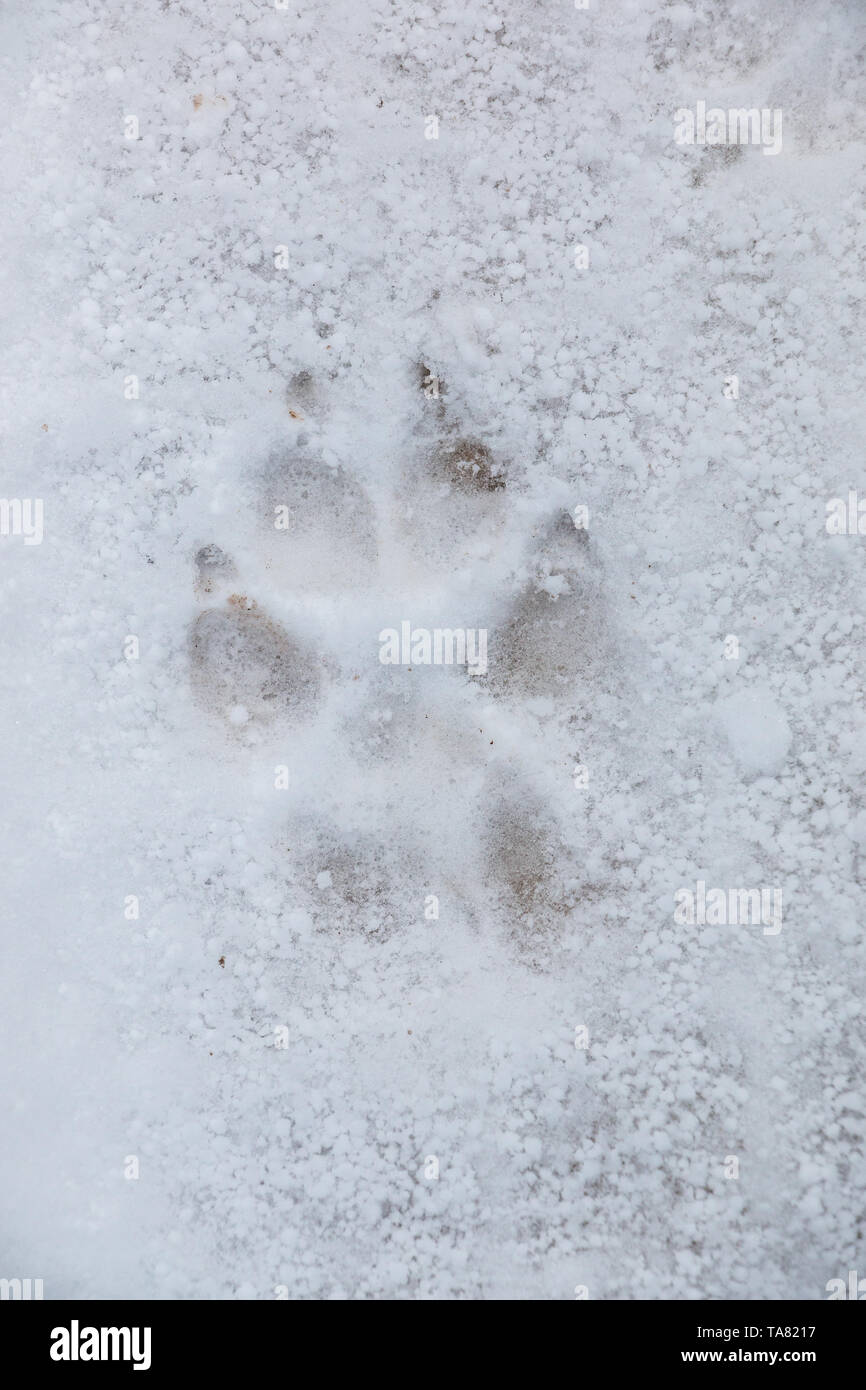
(409,787)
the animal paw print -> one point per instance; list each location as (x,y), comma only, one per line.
(244,664)
(424,800)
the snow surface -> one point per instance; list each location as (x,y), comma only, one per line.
(306,1167)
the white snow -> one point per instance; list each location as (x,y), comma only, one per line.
(285,925)
(757,730)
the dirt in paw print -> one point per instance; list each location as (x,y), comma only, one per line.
(468,465)
(246,669)
(554,635)
(450,504)
(521,845)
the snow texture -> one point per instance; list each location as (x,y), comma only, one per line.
(288,366)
